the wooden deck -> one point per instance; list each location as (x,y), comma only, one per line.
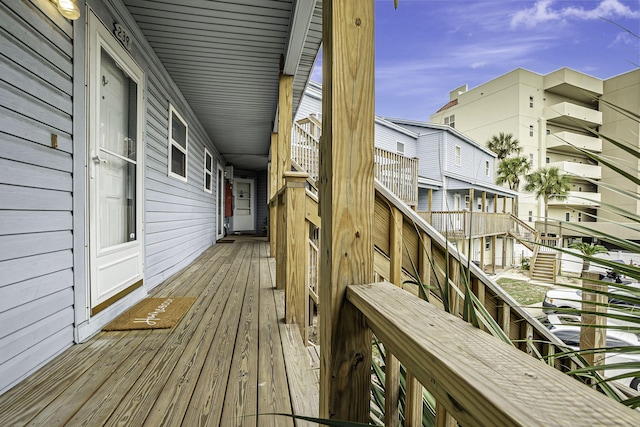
(230,358)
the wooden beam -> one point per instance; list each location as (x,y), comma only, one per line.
(296,290)
(273,190)
(285,121)
(592,330)
(346,192)
(413,411)
(430,200)
(391,391)
(424,260)
(395,247)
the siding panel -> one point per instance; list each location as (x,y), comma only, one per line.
(36,259)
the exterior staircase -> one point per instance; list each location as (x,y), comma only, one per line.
(544,267)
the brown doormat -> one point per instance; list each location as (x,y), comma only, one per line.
(152,313)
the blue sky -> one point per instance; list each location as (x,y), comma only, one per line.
(426,48)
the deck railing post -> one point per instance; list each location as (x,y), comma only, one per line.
(273,190)
(296,291)
(346,190)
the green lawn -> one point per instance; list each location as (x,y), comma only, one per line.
(523,292)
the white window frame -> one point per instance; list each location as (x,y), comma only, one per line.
(208,171)
(579,216)
(530,130)
(567,216)
(458,154)
(400,147)
(530,216)
(486,168)
(172,143)
(467,202)
(450,121)
(531,102)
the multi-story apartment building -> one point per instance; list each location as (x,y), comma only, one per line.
(550,115)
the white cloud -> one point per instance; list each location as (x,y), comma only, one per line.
(544,11)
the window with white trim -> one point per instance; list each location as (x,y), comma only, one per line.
(531,102)
(467,202)
(567,216)
(400,147)
(208,171)
(530,216)
(579,216)
(458,155)
(178,145)
(531,159)
(450,121)
(531,130)
(486,167)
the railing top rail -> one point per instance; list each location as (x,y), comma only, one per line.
(462,372)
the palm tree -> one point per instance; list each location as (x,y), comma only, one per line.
(588,249)
(548,183)
(503,145)
(510,170)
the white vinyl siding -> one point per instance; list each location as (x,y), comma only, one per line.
(178,145)
(36,188)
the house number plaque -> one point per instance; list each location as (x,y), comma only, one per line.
(123,35)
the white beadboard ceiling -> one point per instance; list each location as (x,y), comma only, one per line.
(225,57)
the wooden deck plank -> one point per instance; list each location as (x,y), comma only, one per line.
(171,404)
(67,403)
(241,400)
(205,407)
(139,401)
(272,376)
(101,405)
(45,385)
(225,358)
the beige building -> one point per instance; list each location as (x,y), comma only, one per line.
(549,114)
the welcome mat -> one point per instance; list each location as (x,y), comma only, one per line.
(152,313)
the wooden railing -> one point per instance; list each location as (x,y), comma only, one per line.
(398,173)
(466,225)
(475,379)
(522,231)
(305,144)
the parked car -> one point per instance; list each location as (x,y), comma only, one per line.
(564,327)
(560,299)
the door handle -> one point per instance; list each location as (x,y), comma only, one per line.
(98,159)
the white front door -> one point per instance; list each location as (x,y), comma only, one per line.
(220,203)
(244,206)
(115,169)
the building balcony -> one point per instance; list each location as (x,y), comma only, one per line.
(579,169)
(569,114)
(573,85)
(578,199)
(566,141)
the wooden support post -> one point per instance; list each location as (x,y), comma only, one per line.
(296,291)
(285,121)
(443,419)
(495,203)
(413,410)
(505,317)
(430,202)
(391,391)
(281,239)
(273,190)
(424,260)
(346,191)
(592,332)
(395,247)
(494,243)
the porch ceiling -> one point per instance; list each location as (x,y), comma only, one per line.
(225,57)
